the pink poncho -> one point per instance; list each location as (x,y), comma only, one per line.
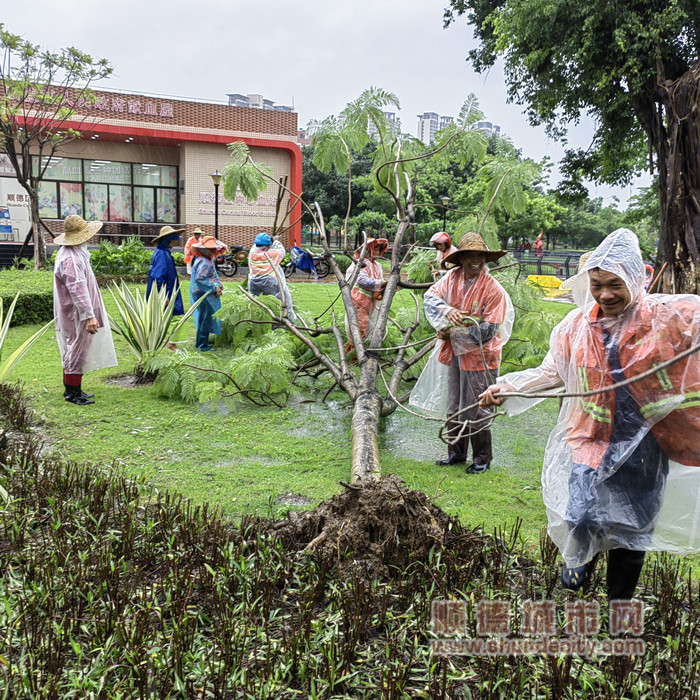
(76,298)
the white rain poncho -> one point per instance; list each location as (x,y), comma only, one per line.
(620,467)
(265,275)
(76,298)
(486,301)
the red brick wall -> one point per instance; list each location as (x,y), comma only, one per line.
(114,105)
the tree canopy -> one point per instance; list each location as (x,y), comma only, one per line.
(39,94)
(632,65)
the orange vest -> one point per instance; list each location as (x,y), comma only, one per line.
(670,398)
(486,301)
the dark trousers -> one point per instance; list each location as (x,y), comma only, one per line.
(463,389)
(624,568)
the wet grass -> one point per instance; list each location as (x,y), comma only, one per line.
(240,458)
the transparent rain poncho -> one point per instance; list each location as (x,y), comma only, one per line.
(621,467)
(76,298)
(489,304)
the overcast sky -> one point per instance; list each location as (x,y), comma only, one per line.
(315,54)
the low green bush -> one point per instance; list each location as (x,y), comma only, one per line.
(131,257)
(35,303)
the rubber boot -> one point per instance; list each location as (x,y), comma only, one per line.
(624,569)
(82,393)
(74,396)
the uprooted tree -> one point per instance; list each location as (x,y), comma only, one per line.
(39,94)
(372,376)
(632,65)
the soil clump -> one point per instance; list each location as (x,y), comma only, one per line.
(380,526)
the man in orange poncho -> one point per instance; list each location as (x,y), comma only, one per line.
(472,352)
(370,282)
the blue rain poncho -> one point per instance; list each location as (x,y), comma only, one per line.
(205,279)
(163,273)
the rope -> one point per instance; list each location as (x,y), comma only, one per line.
(466,426)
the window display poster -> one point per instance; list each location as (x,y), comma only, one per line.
(167,206)
(119,203)
(144,204)
(96,202)
(48,200)
(71,198)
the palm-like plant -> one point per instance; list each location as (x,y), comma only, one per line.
(7,364)
(145,323)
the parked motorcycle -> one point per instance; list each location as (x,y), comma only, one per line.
(306,261)
(228,264)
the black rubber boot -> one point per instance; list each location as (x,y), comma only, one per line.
(75,396)
(82,393)
(624,568)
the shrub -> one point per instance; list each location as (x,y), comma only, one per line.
(35,303)
(131,257)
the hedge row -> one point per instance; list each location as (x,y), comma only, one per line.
(35,303)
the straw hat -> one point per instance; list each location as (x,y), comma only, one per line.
(198,231)
(472,243)
(568,283)
(166,231)
(76,230)
(209,243)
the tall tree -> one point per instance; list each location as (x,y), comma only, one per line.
(39,94)
(372,376)
(633,65)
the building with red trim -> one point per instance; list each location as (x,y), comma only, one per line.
(143,161)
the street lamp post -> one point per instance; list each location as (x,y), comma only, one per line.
(445,202)
(216,179)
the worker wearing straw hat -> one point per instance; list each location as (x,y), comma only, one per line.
(189,256)
(620,469)
(82,327)
(205,280)
(473,316)
(163,274)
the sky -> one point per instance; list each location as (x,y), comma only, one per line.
(317,55)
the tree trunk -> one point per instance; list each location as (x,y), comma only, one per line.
(37,233)
(679,184)
(365,426)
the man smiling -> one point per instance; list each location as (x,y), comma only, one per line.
(617,444)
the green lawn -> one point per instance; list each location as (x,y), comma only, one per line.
(243,458)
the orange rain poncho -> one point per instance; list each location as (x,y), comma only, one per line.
(621,467)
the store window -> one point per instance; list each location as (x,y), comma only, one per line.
(48,200)
(144,204)
(167,205)
(96,202)
(108,171)
(106,190)
(159,175)
(71,198)
(59,168)
(120,203)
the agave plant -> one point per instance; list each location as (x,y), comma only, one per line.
(145,323)
(7,364)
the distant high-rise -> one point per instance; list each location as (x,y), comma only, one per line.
(428,124)
(431,122)
(488,127)
(393,124)
(256,102)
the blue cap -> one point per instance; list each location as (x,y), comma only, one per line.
(263,239)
